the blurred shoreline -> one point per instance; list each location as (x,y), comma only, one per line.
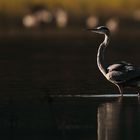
(44,14)
(75,7)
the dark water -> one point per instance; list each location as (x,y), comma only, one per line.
(60,62)
(38,64)
(42,117)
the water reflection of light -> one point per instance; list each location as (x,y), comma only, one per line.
(113,24)
(108,121)
(92,21)
(136,15)
(94,96)
(29,21)
(61,18)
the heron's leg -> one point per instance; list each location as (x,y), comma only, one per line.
(121,93)
(138,90)
(120,89)
(138,97)
(138,94)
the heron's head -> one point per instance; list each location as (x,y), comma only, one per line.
(100,30)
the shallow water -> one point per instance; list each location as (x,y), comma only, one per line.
(43,117)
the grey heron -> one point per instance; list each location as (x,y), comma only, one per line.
(122,74)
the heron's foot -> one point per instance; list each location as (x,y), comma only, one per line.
(120,98)
(138,97)
(121,94)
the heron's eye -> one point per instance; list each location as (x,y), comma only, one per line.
(104,28)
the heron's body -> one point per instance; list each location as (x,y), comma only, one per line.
(121,74)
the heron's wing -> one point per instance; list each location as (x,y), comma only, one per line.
(128,73)
(114,67)
(119,66)
(120,77)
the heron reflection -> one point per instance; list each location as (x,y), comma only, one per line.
(118,120)
(108,121)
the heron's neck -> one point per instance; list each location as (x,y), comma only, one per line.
(100,55)
(106,40)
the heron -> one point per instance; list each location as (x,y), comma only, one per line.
(122,74)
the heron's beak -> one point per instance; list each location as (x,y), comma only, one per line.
(93,30)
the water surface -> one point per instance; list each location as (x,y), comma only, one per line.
(43,117)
